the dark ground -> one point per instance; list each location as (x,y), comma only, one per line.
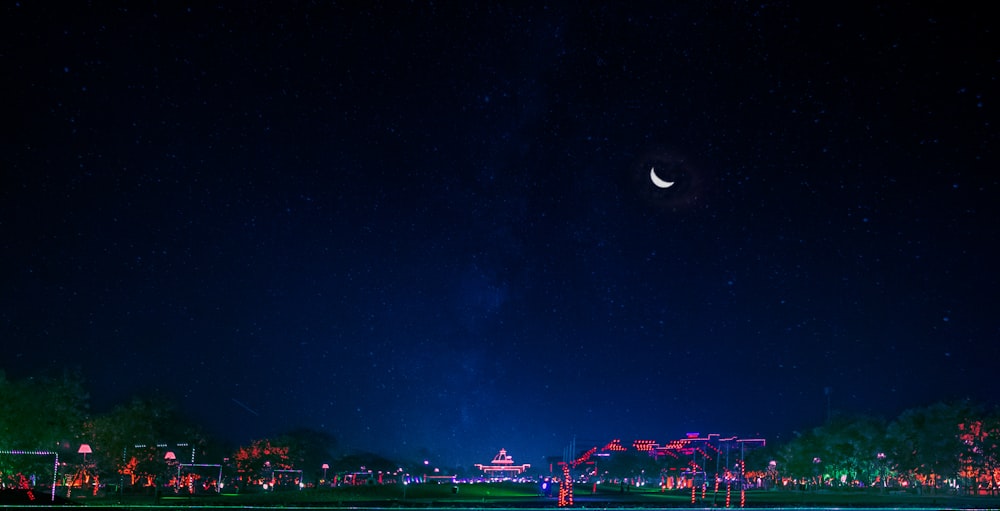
(484,496)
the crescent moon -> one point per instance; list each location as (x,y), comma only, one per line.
(657,181)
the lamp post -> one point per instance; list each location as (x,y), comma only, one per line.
(81,474)
(84,450)
(881,462)
(171,460)
(816,470)
(325,467)
(89,471)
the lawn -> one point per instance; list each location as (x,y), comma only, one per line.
(527,496)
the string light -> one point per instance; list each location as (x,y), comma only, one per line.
(565,487)
(743,485)
(729,491)
(709,447)
(614,446)
(584,457)
(566,484)
(643,445)
(55,464)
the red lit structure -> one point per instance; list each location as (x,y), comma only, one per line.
(702,453)
(614,446)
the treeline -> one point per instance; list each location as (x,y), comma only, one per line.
(944,445)
(952,445)
(129,443)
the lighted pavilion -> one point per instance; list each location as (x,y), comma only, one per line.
(502,466)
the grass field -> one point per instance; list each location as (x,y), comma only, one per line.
(527,496)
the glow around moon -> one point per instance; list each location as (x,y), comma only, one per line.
(657,181)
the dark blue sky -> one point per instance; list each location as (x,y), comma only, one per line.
(431,227)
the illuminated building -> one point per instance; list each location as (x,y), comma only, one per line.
(502,466)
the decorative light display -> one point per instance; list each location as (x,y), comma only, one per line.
(84,473)
(643,445)
(565,487)
(670,449)
(704,480)
(713,447)
(729,489)
(290,477)
(55,465)
(710,447)
(585,456)
(614,446)
(566,484)
(743,486)
(189,478)
(163,446)
(502,464)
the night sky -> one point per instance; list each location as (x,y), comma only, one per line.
(430,228)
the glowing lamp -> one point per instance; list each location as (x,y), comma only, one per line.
(170,456)
(84,450)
